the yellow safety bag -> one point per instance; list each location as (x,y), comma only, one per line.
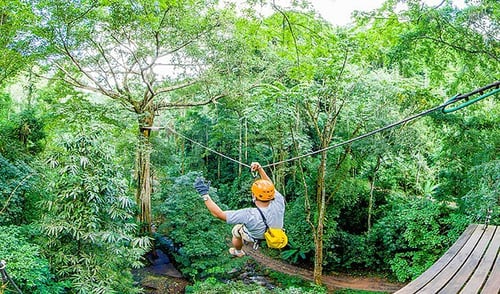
(276,238)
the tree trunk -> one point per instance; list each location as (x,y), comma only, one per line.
(143,174)
(372,188)
(240,148)
(246,140)
(321,203)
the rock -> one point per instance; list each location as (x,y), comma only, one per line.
(153,284)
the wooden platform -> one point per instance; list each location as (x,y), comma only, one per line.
(471,265)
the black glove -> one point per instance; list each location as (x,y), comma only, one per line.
(201,186)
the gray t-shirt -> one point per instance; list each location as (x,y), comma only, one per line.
(252,219)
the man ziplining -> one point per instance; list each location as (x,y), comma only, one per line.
(250,223)
(252,229)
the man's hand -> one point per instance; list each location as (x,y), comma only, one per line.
(255,166)
(201,186)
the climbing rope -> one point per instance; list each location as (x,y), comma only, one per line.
(6,278)
(494,88)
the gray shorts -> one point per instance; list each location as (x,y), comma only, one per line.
(241,232)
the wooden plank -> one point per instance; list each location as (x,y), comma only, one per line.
(455,264)
(493,283)
(470,264)
(440,264)
(482,271)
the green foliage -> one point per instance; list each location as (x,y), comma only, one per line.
(15,184)
(444,43)
(281,83)
(212,286)
(22,135)
(351,205)
(413,235)
(5,107)
(29,131)
(21,141)
(301,244)
(482,203)
(293,253)
(25,263)
(354,252)
(289,283)
(469,143)
(409,265)
(89,216)
(201,239)
(14,15)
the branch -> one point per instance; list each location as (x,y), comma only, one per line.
(99,88)
(78,84)
(165,105)
(458,48)
(137,61)
(109,65)
(175,87)
(287,20)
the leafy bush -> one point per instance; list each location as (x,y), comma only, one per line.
(354,251)
(201,239)
(29,131)
(293,253)
(301,244)
(413,237)
(481,203)
(15,182)
(22,135)
(88,217)
(293,283)
(25,264)
(409,265)
(212,286)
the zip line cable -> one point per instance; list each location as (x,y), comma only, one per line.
(442,107)
(199,144)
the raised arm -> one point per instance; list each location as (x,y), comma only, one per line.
(202,187)
(255,166)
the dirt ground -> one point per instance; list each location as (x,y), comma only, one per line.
(332,282)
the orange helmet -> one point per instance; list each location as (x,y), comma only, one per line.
(263,190)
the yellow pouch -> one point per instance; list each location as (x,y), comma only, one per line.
(276,238)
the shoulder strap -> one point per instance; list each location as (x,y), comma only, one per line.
(263,218)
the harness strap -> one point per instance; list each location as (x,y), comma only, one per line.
(255,241)
(263,218)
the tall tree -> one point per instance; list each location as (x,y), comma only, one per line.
(455,51)
(148,56)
